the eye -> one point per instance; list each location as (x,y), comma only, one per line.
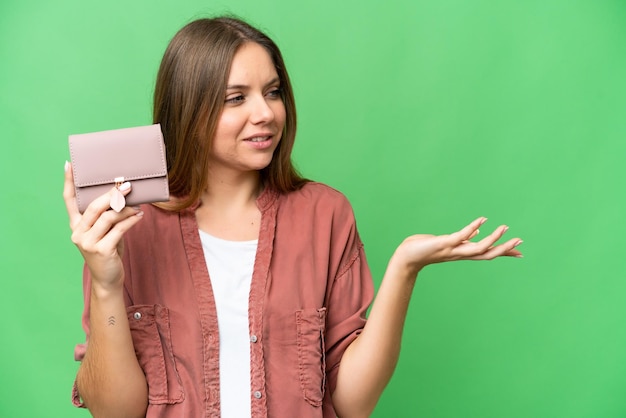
(275,93)
(236,99)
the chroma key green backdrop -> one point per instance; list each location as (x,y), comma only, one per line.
(426,114)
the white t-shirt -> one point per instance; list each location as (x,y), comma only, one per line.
(230,265)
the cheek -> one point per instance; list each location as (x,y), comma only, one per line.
(228,123)
(280,114)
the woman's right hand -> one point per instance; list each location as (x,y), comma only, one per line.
(98,232)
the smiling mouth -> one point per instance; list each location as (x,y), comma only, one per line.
(258,139)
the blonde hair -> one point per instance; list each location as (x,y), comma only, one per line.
(189,98)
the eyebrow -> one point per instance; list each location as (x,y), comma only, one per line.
(244,87)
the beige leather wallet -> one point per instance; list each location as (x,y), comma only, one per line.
(102,160)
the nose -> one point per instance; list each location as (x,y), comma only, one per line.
(261,111)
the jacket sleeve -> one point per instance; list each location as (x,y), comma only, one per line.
(80,349)
(351,293)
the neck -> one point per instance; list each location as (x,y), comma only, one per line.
(228,207)
(235,190)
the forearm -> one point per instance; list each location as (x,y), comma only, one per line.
(110,380)
(368,363)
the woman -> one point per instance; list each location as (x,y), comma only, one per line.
(245,295)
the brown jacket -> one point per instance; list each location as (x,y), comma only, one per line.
(310,290)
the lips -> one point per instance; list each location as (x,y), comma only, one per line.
(258,138)
(262,141)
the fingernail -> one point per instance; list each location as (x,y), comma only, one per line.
(140,213)
(67,165)
(125,186)
(518,243)
(136,207)
(477,232)
(483,220)
(506,228)
(519,256)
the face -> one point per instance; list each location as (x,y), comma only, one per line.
(251,124)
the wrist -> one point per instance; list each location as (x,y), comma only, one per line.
(102,291)
(403,266)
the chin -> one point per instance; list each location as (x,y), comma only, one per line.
(261,163)
(261,167)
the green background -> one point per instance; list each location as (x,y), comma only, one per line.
(426,114)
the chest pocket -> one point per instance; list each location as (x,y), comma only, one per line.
(150,329)
(310,325)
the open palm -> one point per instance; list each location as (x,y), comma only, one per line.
(418,251)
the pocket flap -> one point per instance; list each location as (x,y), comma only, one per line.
(150,330)
(132,153)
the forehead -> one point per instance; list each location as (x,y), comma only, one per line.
(251,62)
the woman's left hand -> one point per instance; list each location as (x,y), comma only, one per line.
(418,251)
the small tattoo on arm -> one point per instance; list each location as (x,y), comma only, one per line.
(111,320)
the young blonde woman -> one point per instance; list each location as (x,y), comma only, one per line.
(246,294)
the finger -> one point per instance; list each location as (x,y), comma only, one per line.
(502,250)
(470,249)
(514,252)
(486,243)
(69,195)
(506,249)
(467,232)
(472,236)
(105,222)
(99,205)
(113,238)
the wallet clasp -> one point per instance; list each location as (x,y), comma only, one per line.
(118,182)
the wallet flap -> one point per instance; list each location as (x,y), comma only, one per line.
(135,153)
